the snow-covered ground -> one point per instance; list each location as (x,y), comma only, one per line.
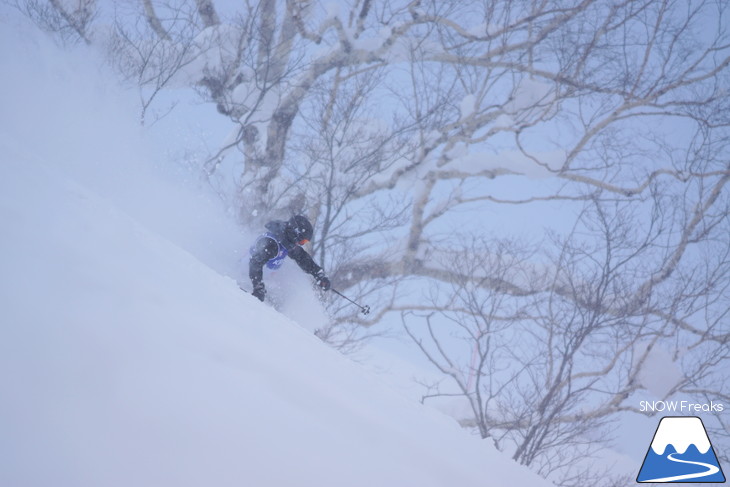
(128,355)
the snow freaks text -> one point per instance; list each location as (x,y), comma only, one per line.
(680,407)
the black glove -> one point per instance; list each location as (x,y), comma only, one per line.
(323,281)
(259,291)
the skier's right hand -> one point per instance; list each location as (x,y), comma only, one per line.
(259,291)
(322,280)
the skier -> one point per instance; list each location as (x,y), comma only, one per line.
(283,238)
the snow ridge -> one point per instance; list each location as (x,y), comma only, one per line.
(680,432)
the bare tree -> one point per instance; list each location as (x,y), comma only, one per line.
(70,20)
(554,361)
(149,54)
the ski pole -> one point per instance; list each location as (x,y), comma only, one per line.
(364,309)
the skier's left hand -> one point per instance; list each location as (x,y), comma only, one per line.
(259,291)
(323,282)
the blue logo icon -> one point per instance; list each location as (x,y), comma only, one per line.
(681,452)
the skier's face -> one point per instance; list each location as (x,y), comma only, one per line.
(296,235)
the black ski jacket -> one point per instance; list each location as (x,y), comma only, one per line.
(267,248)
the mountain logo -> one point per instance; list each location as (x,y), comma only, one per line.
(681,452)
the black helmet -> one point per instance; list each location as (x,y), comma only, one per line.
(300,229)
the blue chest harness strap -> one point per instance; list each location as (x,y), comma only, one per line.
(275,262)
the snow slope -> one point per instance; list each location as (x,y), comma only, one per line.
(129,358)
(126,361)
